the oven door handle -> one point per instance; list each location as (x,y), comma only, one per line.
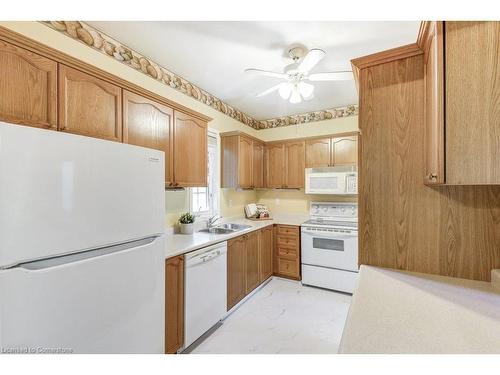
(332,236)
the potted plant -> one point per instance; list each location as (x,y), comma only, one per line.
(186,223)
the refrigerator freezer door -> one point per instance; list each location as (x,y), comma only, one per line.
(111,303)
(61,193)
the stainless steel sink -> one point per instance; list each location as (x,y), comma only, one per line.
(218,230)
(226,228)
(234,226)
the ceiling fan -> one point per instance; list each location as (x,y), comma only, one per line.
(295,74)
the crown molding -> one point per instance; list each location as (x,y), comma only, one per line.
(383,57)
(409,50)
(111,47)
(387,56)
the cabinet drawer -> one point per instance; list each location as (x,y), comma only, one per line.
(288,267)
(287,252)
(288,241)
(288,230)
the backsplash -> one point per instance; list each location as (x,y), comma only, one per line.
(232,202)
(295,201)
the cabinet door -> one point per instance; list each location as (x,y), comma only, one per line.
(245,146)
(147,123)
(275,165)
(190,151)
(434,108)
(472,79)
(258,165)
(295,164)
(266,253)
(236,271)
(318,153)
(174,304)
(252,261)
(89,106)
(345,150)
(28,87)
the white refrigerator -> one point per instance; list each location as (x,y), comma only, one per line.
(81,244)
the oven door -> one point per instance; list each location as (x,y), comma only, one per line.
(331,249)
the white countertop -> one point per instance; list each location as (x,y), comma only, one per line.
(405,312)
(177,244)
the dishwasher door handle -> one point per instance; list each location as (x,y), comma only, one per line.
(210,256)
(204,258)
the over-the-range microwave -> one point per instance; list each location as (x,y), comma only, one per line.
(320,181)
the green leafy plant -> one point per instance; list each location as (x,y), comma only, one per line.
(187,218)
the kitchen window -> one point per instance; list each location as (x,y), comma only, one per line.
(204,201)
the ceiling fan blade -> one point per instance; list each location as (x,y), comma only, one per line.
(269,90)
(331,76)
(310,60)
(265,73)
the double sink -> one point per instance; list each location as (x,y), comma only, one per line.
(226,228)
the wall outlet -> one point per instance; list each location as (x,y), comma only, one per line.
(230,203)
(277,201)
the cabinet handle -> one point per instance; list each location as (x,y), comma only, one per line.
(432,176)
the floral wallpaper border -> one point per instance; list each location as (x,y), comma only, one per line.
(111,47)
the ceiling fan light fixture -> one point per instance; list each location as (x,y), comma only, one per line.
(306,90)
(285,90)
(295,98)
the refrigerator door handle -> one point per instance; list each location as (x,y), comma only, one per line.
(42,264)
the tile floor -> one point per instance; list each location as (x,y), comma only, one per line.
(282,317)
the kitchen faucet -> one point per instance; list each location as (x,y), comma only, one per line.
(212,220)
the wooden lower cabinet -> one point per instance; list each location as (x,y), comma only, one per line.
(252,261)
(174,304)
(249,263)
(236,270)
(287,251)
(266,253)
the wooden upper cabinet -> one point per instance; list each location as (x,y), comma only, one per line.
(242,161)
(236,270)
(344,150)
(28,87)
(275,165)
(174,304)
(266,253)
(147,123)
(245,161)
(472,123)
(294,164)
(190,151)
(318,153)
(258,165)
(434,107)
(89,106)
(252,261)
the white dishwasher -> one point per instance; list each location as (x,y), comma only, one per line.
(205,289)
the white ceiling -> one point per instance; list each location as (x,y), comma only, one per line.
(214,55)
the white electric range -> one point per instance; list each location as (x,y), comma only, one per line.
(329,246)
